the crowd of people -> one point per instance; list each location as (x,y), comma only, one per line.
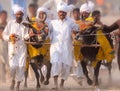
(61,32)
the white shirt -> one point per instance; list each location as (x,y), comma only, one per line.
(16,52)
(61,49)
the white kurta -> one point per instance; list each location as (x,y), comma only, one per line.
(19,48)
(61,41)
(17,52)
(61,50)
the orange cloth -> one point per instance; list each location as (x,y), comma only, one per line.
(83,24)
(100,2)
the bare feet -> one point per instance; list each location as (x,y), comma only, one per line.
(55,83)
(12,85)
(62,84)
(55,87)
(18,86)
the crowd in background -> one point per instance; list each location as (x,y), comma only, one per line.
(103,5)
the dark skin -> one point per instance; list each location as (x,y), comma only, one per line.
(32,11)
(85,15)
(76,15)
(19,17)
(41,14)
(3,17)
(62,15)
(97,17)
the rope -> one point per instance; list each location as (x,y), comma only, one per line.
(82,45)
(96,34)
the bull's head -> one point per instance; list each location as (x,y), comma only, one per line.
(87,36)
(39,28)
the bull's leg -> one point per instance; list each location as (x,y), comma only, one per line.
(85,71)
(109,67)
(118,56)
(96,72)
(48,73)
(26,71)
(26,76)
(34,67)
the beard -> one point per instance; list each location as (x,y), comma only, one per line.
(19,18)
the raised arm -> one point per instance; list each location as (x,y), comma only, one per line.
(112,27)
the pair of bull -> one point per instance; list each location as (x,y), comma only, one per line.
(89,53)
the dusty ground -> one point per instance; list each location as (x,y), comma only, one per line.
(106,83)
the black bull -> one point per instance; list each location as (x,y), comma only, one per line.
(89,52)
(38,38)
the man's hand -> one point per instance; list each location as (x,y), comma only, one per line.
(0,34)
(31,33)
(12,38)
(117,32)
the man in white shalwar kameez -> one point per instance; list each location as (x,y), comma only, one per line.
(15,33)
(61,50)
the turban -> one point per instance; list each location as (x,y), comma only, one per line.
(41,9)
(85,7)
(17,8)
(91,5)
(71,7)
(62,6)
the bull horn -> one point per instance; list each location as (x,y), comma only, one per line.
(44,18)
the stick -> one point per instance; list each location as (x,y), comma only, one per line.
(82,45)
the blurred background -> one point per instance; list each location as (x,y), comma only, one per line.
(107,7)
(110,11)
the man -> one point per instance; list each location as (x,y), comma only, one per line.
(61,49)
(15,33)
(76,16)
(85,11)
(3,47)
(32,8)
(97,17)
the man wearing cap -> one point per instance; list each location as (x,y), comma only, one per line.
(15,33)
(61,49)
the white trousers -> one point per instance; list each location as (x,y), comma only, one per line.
(17,72)
(59,68)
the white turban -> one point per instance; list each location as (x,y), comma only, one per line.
(91,5)
(71,7)
(17,8)
(62,6)
(41,9)
(85,7)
